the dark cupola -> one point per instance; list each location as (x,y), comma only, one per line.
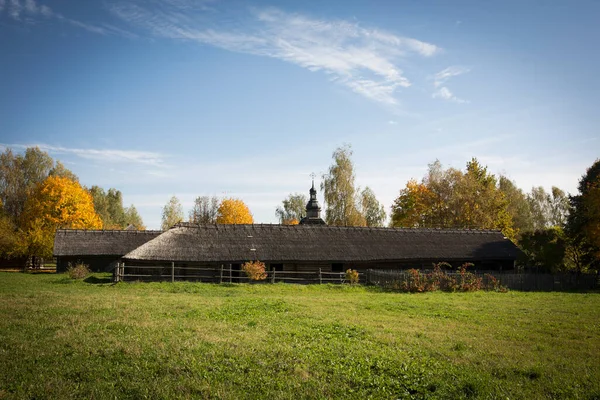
(313,209)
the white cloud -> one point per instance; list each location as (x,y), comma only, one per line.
(445,94)
(364,60)
(441,77)
(28,10)
(105,155)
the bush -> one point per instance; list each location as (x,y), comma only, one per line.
(78,271)
(352,276)
(493,284)
(255,270)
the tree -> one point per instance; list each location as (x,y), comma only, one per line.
(372,210)
(56,202)
(412,206)
(518,207)
(133,218)
(172,213)
(340,193)
(545,249)
(109,205)
(19,174)
(293,209)
(453,199)
(234,211)
(583,223)
(204,210)
(60,170)
(560,207)
(8,235)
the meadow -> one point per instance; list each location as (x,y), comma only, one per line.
(61,338)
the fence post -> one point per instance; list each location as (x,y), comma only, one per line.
(368,277)
(121,272)
(320,277)
(273,276)
(221,274)
(172,272)
(230,273)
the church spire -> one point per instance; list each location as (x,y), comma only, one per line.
(313,210)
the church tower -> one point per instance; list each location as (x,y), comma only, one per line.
(313,210)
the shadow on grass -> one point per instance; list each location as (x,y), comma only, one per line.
(95,280)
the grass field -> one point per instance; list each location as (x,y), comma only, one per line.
(89,339)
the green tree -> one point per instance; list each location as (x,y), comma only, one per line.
(133,218)
(545,249)
(172,213)
(204,210)
(372,210)
(340,192)
(518,207)
(60,170)
(19,174)
(583,223)
(109,205)
(292,210)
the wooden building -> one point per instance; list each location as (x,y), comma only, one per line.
(99,249)
(307,247)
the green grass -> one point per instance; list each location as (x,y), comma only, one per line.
(75,339)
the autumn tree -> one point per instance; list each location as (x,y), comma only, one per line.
(340,193)
(292,209)
(234,211)
(172,213)
(412,206)
(204,210)
(371,209)
(56,202)
(450,198)
(583,224)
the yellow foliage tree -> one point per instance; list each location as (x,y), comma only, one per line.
(55,203)
(234,211)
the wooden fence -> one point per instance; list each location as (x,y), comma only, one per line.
(221,274)
(383,278)
(512,281)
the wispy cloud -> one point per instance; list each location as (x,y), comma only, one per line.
(363,59)
(445,94)
(105,155)
(440,79)
(29,11)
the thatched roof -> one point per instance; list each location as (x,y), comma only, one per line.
(77,242)
(280,243)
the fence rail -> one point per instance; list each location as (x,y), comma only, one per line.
(512,281)
(222,274)
(383,278)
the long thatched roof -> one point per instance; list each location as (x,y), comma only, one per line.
(77,242)
(313,243)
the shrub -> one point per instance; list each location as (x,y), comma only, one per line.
(415,282)
(493,284)
(352,276)
(255,270)
(469,282)
(78,271)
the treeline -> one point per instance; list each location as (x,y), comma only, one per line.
(39,195)
(207,210)
(556,232)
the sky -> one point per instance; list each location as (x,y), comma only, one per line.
(248,99)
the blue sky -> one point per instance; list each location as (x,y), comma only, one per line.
(247,99)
